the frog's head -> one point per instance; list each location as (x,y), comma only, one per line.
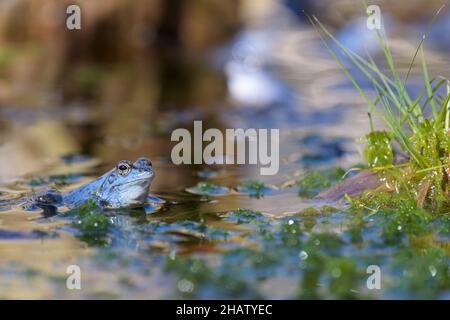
(127,184)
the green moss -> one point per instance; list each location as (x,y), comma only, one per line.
(328,209)
(378,151)
(398,213)
(312,212)
(308,212)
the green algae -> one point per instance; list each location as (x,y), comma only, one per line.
(92,225)
(328,209)
(378,151)
(380,229)
(309,212)
(313,212)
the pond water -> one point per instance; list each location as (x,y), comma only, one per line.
(213,231)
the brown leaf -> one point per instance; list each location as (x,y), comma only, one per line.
(423,193)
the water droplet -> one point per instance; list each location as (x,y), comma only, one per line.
(399,228)
(172,254)
(291,222)
(303,255)
(433,270)
(317,242)
(96,225)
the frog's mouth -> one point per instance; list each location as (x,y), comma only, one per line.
(143,183)
(138,181)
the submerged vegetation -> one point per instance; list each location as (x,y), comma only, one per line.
(91,224)
(422,134)
(286,248)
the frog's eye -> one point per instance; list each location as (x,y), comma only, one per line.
(123,168)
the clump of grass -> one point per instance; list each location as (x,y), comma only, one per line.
(425,139)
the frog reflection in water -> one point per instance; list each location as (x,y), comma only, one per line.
(125,186)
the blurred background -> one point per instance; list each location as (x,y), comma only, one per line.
(135,71)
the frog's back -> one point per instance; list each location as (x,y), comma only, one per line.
(82,194)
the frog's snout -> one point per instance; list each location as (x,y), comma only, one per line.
(143,163)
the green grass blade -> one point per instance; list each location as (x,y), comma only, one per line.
(427,83)
(424,35)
